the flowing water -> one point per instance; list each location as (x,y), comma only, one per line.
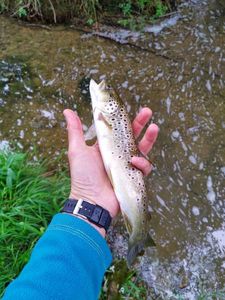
(178,69)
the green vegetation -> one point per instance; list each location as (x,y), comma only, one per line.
(128,13)
(137,14)
(29,197)
(122,283)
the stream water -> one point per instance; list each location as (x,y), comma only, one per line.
(178,70)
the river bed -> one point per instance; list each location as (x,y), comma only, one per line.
(178,71)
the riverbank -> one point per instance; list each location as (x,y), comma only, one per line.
(133,14)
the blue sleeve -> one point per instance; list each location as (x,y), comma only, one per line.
(68,262)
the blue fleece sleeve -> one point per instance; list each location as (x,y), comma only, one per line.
(68,262)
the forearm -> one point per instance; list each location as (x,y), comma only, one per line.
(68,262)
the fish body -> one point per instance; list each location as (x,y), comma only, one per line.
(117,146)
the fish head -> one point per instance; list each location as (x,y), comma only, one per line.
(103,97)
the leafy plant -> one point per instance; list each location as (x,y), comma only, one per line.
(161,9)
(3,6)
(126,8)
(142,4)
(22,12)
(90,21)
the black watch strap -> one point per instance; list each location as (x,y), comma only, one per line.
(92,212)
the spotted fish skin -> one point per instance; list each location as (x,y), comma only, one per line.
(117,146)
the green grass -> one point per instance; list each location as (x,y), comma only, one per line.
(28,200)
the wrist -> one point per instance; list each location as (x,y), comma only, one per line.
(90,212)
(105,200)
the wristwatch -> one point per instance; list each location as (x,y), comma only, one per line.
(92,212)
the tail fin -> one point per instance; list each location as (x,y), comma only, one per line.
(137,248)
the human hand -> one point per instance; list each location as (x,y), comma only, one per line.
(88,176)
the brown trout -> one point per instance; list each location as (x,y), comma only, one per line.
(117,146)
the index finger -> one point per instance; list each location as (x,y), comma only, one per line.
(75,131)
(141,120)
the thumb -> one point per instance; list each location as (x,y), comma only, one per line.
(75,131)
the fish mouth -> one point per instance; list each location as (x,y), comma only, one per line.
(96,92)
(95,88)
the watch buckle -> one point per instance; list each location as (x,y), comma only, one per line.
(77,208)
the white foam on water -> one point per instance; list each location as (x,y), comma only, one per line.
(208,86)
(211,195)
(175,134)
(156,29)
(4,145)
(48,114)
(192,159)
(21,134)
(168,104)
(195,211)
(219,236)
(223,170)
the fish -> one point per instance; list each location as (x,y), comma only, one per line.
(117,147)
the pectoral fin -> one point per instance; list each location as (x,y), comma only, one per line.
(90,134)
(101,117)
